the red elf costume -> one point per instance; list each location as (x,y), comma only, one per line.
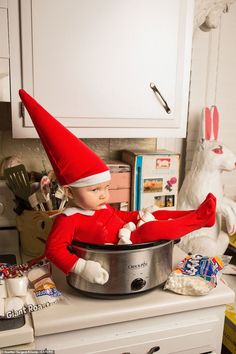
(78,166)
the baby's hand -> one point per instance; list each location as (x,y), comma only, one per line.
(91,271)
(125,233)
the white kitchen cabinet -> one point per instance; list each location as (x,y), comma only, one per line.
(91,62)
(192,332)
(4,54)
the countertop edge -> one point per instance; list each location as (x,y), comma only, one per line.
(217,297)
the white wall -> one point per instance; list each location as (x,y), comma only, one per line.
(213,81)
(226,90)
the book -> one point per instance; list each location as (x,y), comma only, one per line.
(154,178)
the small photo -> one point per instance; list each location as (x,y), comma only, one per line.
(163,162)
(164,201)
(170,201)
(160,201)
(153,184)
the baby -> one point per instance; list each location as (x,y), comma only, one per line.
(88,217)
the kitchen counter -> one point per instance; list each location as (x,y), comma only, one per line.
(76,311)
(135,325)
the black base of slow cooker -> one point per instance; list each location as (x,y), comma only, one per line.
(113,296)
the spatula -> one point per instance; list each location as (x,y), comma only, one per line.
(36,199)
(18,181)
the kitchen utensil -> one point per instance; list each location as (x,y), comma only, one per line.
(55,201)
(45,190)
(18,181)
(53,188)
(132,268)
(60,194)
(9,161)
(36,200)
(62,204)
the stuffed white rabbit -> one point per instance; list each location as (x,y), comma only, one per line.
(210,159)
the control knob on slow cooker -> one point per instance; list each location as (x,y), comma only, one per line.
(138,284)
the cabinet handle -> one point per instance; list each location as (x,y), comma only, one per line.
(154,350)
(163,101)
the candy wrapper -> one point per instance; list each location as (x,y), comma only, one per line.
(26,288)
(196,274)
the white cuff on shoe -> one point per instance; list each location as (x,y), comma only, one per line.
(124,233)
(124,237)
(124,241)
(146,216)
(130,226)
(140,223)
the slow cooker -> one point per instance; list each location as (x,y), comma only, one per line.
(132,268)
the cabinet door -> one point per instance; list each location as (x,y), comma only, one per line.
(91,62)
(190,332)
(4,55)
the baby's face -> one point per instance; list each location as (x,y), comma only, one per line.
(91,198)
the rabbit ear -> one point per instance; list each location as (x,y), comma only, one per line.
(215,120)
(206,124)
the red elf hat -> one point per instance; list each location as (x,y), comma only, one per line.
(73,162)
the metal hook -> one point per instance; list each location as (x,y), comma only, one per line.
(164,103)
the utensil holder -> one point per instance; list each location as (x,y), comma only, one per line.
(33,228)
